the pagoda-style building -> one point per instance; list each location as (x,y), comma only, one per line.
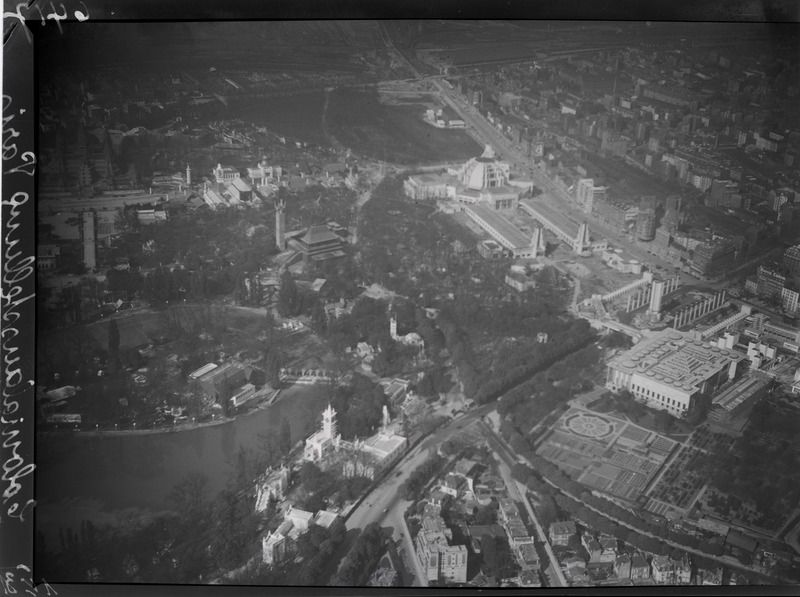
(318,243)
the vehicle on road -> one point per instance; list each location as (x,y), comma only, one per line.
(385,510)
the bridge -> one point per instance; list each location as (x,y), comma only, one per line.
(616,326)
(743,313)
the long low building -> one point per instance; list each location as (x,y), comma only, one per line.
(502,230)
(731,408)
(670,369)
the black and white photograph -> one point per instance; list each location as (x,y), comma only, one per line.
(401,303)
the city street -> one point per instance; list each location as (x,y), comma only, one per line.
(385,506)
(517,491)
(486,133)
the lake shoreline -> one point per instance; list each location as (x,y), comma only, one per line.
(88,433)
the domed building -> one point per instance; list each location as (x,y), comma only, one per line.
(483,189)
(485,172)
(485,182)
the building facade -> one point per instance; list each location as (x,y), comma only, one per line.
(791,260)
(770,280)
(586,193)
(440,560)
(325,440)
(670,369)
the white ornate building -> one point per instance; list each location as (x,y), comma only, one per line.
(327,439)
(360,458)
(271,485)
(410,339)
(484,180)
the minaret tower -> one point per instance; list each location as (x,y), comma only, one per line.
(329,422)
(188,175)
(280,224)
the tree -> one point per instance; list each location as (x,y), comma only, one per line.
(426,386)
(489,556)
(663,421)
(269,323)
(285,436)
(188,495)
(113,340)
(313,478)
(319,319)
(486,514)
(272,367)
(288,296)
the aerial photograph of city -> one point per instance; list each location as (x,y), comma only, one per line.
(418,303)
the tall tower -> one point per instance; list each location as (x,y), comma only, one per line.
(537,240)
(280,224)
(646,221)
(582,240)
(188,175)
(88,240)
(656,296)
(393,326)
(329,422)
(386,419)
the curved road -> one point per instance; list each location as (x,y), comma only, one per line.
(385,506)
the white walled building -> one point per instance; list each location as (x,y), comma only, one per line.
(272,485)
(668,370)
(224,174)
(362,457)
(586,192)
(324,440)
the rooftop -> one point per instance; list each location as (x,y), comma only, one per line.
(741,391)
(225,369)
(202,370)
(562,527)
(433,178)
(384,444)
(560,218)
(675,360)
(298,514)
(481,530)
(513,235)
(241,185)
(319,234)
(324,518)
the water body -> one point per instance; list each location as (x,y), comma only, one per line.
(105,478)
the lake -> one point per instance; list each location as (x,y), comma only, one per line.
(109,478)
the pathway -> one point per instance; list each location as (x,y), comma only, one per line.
(517,492)
(554,564)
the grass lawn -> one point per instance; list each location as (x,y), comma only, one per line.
(359,121)
(393,133)
(297,116)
